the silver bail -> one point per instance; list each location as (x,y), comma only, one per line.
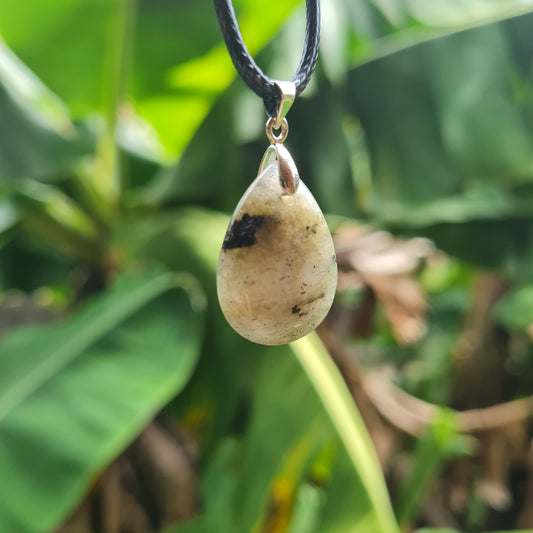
(289,178)
(288,94)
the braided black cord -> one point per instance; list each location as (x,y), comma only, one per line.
(252,75)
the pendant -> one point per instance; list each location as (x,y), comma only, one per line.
(277,271)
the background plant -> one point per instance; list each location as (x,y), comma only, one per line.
(124,143)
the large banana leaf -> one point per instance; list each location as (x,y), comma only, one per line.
(75,393)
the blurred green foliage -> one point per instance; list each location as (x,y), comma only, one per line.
(123,140)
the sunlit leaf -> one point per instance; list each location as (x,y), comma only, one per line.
(68,56)
(191,88)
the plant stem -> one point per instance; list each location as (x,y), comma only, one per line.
(348,423)
(108,178)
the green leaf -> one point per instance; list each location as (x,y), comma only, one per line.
(74,394)
(20,81)
(447,530)
(37,138)
(432,449)
(217,491)
(515,309)
(380,27)
(307,507)
(446,150)
(9,215)
(47,211)
(438,530)
(442,13)
(52,29)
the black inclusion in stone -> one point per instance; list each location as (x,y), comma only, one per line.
(242,231)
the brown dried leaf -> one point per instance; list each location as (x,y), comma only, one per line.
(385,264)
(149,487)
(405,306)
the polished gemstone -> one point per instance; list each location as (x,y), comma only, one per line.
(277,272)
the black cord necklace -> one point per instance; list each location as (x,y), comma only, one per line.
(277,272)
(252,75)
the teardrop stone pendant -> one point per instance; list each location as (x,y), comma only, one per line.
(277,271)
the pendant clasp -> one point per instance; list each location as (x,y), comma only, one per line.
(288,94)
(288,173)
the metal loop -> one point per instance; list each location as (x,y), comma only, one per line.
(271,125)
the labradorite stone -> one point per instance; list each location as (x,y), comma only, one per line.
(277,272)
